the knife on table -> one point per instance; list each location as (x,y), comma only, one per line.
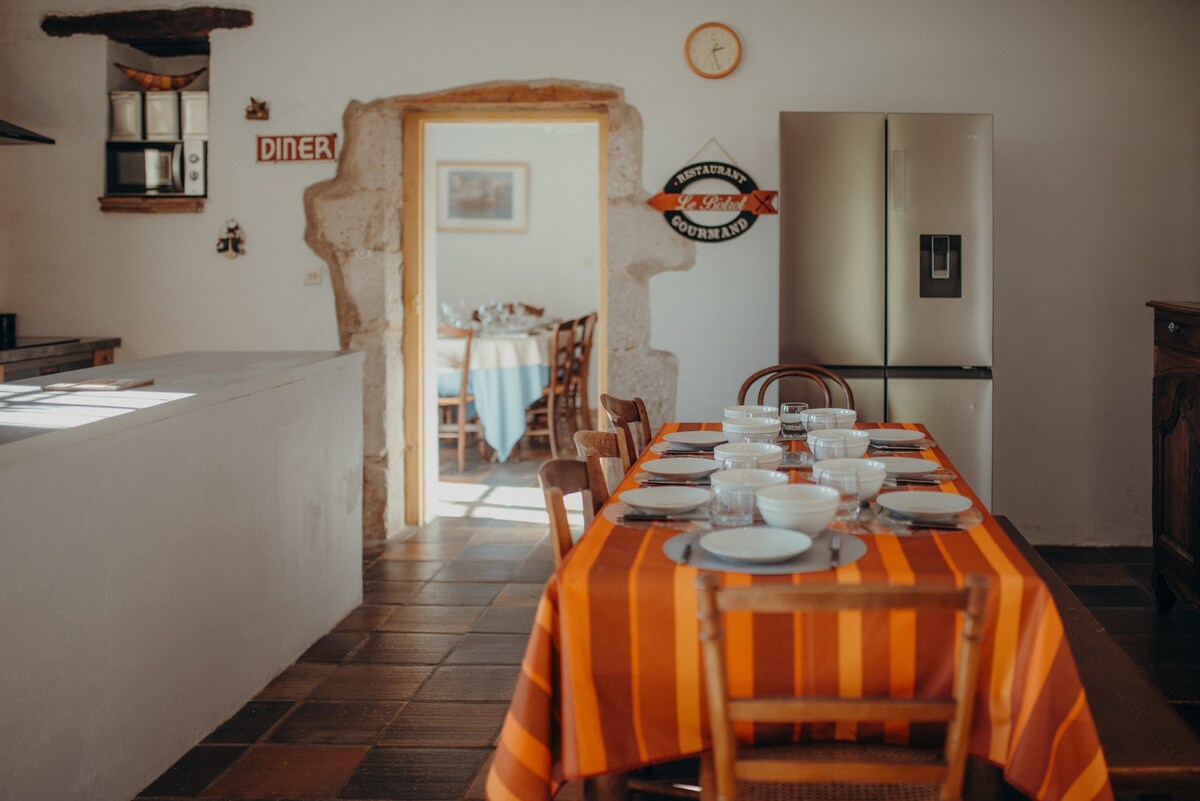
(649,517)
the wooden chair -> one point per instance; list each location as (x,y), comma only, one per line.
(559,478)
(563,408)
(821,376)
(630,417)
(452,409)
(595,446)
(831,770)
(525,308)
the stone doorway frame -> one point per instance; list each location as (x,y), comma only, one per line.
(356,221)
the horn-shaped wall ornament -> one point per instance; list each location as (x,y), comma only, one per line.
(156,81)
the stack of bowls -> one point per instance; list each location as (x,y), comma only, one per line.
(803,507)
(751,429)
(767,456)
(752,479)
(856,441)
(742,412)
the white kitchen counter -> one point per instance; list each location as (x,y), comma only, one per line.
(164,553)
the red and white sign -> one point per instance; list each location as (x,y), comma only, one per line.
(298,147)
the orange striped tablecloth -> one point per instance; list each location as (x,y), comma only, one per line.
(611,678)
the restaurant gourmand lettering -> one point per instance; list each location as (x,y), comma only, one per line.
(748,203)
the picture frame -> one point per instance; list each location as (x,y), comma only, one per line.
(483,197)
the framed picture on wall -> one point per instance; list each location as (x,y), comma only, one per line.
(483,196)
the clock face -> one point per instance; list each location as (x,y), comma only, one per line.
(713,50)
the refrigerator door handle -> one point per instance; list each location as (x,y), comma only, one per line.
(899,190)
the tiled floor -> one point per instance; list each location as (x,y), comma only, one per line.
(404,699)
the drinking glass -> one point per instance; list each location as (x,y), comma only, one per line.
(740,461)
(826,447)
(791,415)
(816,421)
(845,481)
(732,506)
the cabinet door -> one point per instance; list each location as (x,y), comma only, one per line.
(1177,472)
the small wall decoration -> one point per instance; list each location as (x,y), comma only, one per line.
(477,196)
(747,204)
(258,110)
(231,244)
(297,147)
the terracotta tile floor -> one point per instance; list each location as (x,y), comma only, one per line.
(404,699)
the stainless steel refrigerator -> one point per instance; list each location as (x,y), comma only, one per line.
(886,267)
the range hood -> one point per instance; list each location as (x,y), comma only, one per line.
(16,135)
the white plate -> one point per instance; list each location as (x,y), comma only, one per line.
(681,467)
(700,440)
(924,505)
(665,500)
(756,544)
(904,466)
(894,436)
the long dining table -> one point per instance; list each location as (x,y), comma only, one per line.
(612,679)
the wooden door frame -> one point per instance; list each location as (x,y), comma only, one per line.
(413,267)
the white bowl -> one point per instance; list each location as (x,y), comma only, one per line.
(768,455)
(845,417)
(871,473)
(751,429)
(754,479)
(856,441)
(742,412)
(803,507)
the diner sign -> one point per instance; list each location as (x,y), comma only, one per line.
(747,204)
(297,147)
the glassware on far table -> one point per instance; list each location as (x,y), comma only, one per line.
(791,416)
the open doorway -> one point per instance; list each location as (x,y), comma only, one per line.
(539,243)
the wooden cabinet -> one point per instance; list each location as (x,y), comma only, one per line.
(33,360)
(1176,427)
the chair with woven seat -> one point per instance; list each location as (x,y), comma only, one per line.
(839,769)
(453,422)
(600,449)
(822,377)
(631,418)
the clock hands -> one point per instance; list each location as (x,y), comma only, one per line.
(715,62)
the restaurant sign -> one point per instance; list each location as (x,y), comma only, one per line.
(746,205)
(297,147)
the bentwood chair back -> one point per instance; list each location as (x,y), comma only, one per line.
(452,409)
(838,769)
(559,478)
(630,417)
(607,457)
(822,377)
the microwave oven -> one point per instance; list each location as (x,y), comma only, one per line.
(157,168)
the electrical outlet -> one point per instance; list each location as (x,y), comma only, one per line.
(312,278)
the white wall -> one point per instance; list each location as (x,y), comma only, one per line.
(553,264)
(1097,189)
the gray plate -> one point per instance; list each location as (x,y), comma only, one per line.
(814,559)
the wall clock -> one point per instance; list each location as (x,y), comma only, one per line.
(713,50)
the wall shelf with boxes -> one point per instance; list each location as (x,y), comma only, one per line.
(156,151)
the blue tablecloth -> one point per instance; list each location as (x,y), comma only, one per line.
(502,387)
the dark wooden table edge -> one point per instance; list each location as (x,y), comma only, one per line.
(1149,748)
